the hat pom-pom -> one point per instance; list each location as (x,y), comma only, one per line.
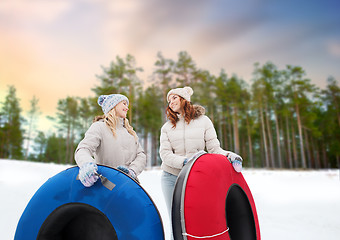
(189,90)
(101,100)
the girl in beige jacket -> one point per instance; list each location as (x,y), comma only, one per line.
(187,132)
(110,141)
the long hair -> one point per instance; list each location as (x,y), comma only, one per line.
(187,109)
(111,119)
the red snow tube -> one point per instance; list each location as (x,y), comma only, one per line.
(212,201)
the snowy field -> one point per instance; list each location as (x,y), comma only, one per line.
(290,204)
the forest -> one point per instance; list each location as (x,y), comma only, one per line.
(276,120)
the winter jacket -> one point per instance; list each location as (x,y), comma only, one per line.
(183,141)
(100,146)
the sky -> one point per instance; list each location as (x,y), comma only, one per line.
(55,49)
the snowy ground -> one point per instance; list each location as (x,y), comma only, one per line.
(290,204)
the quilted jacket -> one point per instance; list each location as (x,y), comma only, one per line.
(183,141)
(100,146)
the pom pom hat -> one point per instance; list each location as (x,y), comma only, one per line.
(107,102)
(185,93)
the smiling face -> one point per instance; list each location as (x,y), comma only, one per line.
(175,103)
(122,109)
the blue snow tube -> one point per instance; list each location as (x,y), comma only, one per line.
(63,208)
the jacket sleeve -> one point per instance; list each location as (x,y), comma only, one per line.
(88,146)
(139,163)
(211,142)
(166,153)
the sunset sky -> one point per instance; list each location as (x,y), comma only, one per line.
(54,49)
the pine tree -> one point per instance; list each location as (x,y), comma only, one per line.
(330,123)
(32,117)
(163,76)
(222,100)
(235,89)
(299,90)
(55,149)
(40,146)
(11,139)
(151,120)
(67,122)
(86,113)
(259,101)
(120,77)
(185,69)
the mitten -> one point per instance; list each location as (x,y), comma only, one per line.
(235,160)
(237,165)
(128,171)
(185,161)
(88,174)
(195,156)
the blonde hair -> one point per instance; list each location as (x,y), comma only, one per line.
(112,120)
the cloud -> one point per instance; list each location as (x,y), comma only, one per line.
(142,23)
(33,10)
(199,26)
(66,41)
(333,48)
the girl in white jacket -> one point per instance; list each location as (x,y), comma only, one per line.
(187,132)
(110,141)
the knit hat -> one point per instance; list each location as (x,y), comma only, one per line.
(107,102)
(184,92)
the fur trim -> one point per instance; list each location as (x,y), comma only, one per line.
(199,111)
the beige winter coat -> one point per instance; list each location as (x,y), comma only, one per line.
(100,146)
(177,144)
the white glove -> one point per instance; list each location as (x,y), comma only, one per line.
(88,174)
(236,161)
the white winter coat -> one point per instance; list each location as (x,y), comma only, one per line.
(100,146)
(177,144)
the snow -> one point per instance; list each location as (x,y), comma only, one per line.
(290,204)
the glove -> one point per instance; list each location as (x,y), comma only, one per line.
(237,165)
(185,161)
(235,160)
(128,171)
(88,174)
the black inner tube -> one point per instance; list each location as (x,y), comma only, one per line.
(240,218)
(77,221)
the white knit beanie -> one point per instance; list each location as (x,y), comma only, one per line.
(107,102)
(184,92)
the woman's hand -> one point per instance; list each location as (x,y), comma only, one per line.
(88,174)
(128,171)
(236,161)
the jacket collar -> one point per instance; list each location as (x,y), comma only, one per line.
(199,111)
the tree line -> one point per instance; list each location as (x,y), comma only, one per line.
(277,120)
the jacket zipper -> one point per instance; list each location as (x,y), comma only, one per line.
(185,150)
